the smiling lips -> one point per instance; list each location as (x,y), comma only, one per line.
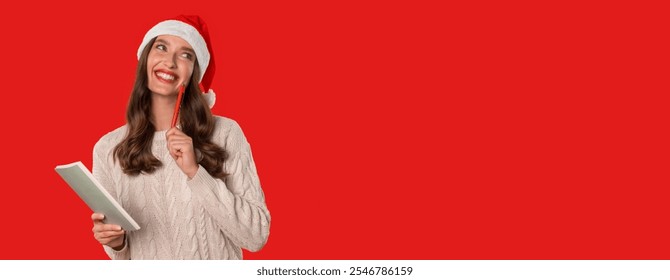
(165,76)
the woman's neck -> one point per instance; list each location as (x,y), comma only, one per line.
(162,108)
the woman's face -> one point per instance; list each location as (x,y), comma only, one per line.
(169,64)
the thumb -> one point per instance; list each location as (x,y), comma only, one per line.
(97,217)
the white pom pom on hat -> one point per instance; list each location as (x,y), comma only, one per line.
(194,31)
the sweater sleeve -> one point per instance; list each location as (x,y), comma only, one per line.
(237,206)
(101,164)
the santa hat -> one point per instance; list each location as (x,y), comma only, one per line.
(194,31)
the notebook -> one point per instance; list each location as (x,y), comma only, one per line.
(95,196)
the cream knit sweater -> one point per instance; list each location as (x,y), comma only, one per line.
(201,218)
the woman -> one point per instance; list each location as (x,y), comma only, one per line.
(193,188)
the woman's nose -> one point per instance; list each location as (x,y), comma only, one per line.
(170,61)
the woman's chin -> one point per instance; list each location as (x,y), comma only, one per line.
(163,91)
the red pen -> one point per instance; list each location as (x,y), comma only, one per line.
(177,106)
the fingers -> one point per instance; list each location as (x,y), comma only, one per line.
(105,233)
(179,146)
(106,227)
(175,131)
(109,234)
(178,141)
(99,226)
(106,237)
(176,134)
(97,216)
(179,138)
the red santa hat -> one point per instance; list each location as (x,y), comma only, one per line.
(194,31)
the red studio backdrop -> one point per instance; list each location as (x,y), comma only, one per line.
(380,129)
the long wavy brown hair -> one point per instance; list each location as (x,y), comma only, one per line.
(134,152)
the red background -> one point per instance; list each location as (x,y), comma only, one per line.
(380,129)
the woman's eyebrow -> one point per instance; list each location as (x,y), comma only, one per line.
(184,48)
(187,49)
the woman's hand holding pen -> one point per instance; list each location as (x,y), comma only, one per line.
(107,234)
(181,149)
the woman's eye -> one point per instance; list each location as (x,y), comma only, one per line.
(187,56)
(161,47)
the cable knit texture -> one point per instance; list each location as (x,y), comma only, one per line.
(201,218)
